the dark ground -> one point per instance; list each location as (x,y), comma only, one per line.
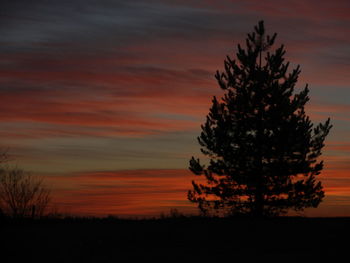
(176,240)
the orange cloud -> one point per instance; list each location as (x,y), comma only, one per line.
(122,193)
(151,192)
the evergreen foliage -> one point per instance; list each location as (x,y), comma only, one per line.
(261,145)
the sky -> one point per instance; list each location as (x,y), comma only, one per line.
(104,99)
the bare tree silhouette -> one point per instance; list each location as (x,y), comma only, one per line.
(262,147)
(22,194)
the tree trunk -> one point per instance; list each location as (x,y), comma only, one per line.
(259,193)
(259,201)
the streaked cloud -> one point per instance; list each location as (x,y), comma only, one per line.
(123,193)
(152,192)
(102,85)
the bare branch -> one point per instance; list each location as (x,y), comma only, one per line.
(21,194)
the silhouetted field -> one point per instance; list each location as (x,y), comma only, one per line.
(175,240)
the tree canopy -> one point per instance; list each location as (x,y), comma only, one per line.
(262,148)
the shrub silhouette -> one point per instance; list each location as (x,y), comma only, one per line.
(262,146)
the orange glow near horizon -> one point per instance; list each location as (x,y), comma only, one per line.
(144,193)
(122,193)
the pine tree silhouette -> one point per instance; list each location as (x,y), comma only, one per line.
(262,147)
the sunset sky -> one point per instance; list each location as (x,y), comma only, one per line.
(105,98)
